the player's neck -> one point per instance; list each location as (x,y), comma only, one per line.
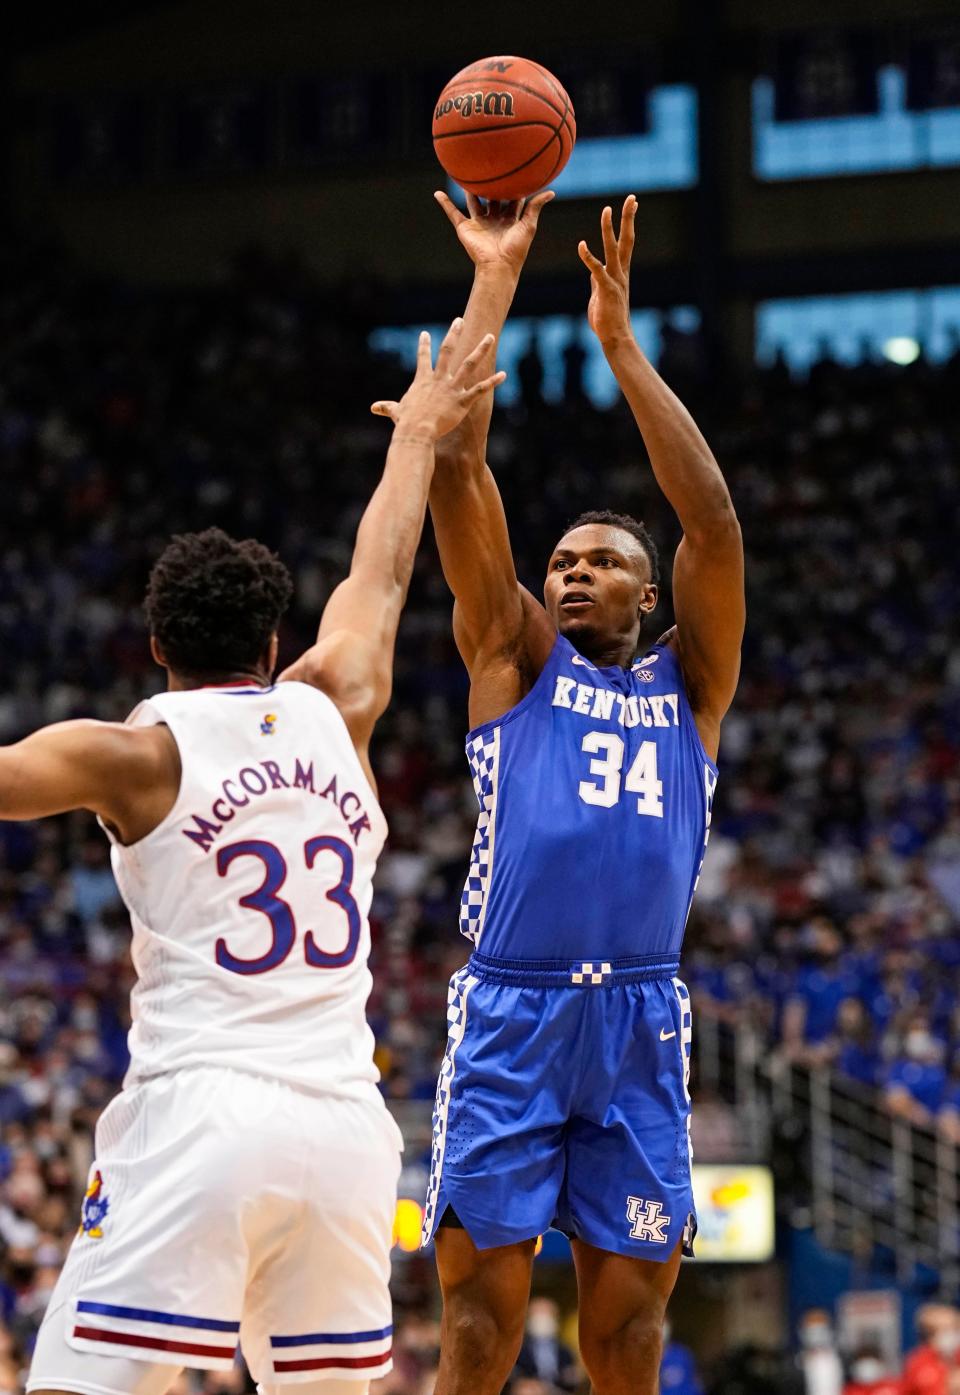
(607,653)
(185,682)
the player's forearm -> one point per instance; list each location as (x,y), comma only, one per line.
(392,523)
(681,460)
(487,309)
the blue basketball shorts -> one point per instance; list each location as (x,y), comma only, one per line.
(563,1101)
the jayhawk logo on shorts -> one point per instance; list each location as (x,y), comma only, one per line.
(94,1210)
(268,724)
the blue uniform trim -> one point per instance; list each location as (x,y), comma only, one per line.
(567,973)
(151,1315)
(331,1338)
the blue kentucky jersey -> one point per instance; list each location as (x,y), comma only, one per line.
(595,795)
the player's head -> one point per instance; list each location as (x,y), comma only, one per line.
(213,606)
(602,582)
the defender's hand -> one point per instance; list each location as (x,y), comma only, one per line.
(608,313)
(438,399)
(496,234)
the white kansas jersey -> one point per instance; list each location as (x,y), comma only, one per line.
(249,902)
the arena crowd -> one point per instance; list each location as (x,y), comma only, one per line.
(829,906)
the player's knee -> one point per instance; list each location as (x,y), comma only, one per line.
(479,1337)
(635,1344)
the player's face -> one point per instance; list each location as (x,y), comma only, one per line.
(598,586)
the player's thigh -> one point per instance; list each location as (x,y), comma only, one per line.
(318,1296)
(57,1367)
(616,1290)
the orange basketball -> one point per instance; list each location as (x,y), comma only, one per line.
(503,128)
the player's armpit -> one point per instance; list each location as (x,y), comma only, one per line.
(130,776)
(708,600)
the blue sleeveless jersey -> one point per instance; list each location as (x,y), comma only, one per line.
(595,795)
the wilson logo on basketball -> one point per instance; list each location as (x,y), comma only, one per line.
(473,103)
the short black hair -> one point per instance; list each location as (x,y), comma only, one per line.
(213,603)
(628,524)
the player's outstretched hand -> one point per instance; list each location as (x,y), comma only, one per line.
(609,310)
(496,234)
(439,398)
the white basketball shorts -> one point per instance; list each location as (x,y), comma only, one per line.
(225,1209)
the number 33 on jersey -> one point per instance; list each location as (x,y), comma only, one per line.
(252,895)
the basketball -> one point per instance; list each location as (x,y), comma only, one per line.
(503,128)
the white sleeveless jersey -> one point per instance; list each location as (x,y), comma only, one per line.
(249,902)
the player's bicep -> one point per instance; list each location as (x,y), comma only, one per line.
(72,765)
(709,604)
(476,557)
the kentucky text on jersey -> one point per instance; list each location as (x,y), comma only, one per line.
(253,781)
(657,710)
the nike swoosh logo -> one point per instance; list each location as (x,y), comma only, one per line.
(577,660)
(665,1036)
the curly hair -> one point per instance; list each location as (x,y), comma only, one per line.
(633,526)
(213,603)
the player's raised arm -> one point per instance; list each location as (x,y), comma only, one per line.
(352,659)
(492,611)
(708,592)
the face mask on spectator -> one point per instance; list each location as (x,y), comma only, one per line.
(867,1369)
(946,1342)
(918,1043)
(542,1324)
(816,1335)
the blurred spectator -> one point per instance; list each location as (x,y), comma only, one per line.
(819,1359)
(853,1047)
(678,1368)
(932,1367)
(916,1078)
(868,1375)
(543,1356)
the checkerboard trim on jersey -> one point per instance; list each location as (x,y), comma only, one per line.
(483,755)
(457,994)
(709,790)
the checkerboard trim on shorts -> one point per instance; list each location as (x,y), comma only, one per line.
(458,993)
(686,1046)
(483,755)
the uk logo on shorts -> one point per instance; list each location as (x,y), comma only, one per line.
(268,725)
(647,1220)
(94,1210)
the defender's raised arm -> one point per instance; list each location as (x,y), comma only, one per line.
(352,659)
(708,594)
